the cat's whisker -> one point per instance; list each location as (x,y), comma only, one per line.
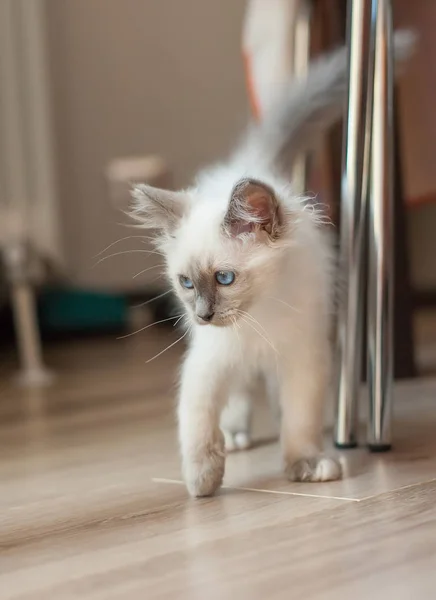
(152,238)
(170,346)
(145,270)
(270,344)
(148,239)
(123,239)
(126,252)
(122,337)
(246,314)
(152,299)
(286,304)
(158,277)
(237,327)
(178,320)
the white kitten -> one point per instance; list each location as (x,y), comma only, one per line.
(254,269)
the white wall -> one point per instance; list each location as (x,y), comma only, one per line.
(133,77)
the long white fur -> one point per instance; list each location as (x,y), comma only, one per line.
(283,337)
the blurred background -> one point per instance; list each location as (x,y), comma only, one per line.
(100,93)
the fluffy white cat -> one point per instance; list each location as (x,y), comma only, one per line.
(253,268)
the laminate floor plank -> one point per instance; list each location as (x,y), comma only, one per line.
(91,507)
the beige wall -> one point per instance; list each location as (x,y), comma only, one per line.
(133,77)
(138,76)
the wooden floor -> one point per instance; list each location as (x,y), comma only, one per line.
(91,504)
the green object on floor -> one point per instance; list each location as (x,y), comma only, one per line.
(70,310)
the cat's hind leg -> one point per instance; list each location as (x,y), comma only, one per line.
(236,421)
(236,418)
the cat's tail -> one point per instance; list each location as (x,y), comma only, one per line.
(307,107)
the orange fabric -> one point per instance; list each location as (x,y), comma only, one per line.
(252,96)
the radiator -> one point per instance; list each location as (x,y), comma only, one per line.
(28,198)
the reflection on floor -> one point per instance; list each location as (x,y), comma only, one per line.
(92,507)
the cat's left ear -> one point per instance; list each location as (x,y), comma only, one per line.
(253,207)
(155,208)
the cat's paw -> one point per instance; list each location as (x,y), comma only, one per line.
(318,468)
(240,440)
(204,472)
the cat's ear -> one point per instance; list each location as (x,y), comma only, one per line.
(157,209)
(253,207)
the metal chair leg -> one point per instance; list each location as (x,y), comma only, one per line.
(381,265)
(352,229)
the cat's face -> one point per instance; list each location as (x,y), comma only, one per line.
(213,275)
(220,257)
(213,295)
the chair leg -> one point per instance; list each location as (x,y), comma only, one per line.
(32,369)
(380,226)
(352,229)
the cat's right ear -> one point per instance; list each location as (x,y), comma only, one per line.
(154,208)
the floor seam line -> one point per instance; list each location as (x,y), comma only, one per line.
(263,491)
(400,489)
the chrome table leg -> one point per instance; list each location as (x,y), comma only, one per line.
(352,232)
(381,266)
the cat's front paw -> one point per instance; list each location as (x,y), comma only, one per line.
(240,440)
(317,468)
(204,471)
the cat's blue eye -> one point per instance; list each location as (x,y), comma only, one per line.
(186,282)
(225,277)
